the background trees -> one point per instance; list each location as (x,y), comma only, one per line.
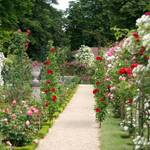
(87,22)
(90,22)
(38,17)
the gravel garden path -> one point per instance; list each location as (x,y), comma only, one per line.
(76,128)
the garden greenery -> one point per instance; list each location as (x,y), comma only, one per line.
(127,68)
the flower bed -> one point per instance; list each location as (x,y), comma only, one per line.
(24,118)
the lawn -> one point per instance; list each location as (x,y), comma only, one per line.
(112,137)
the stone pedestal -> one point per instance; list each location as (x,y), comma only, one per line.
(36,70)
(2,58)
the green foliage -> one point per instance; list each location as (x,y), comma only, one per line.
(5,37)
(17,69)
(88,25)
(119,33)
(90,22)
(11,12)
(44,21)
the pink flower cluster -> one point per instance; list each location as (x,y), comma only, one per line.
(112,51)
(32,110)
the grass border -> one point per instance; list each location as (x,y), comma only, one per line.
(112,137)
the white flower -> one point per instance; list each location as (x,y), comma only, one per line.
(125,128)
(85,56)
(109,65)
(128,108)
(137,147)
(146,105)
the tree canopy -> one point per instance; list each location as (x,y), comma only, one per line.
(90,21)
(87,22)
(44,21)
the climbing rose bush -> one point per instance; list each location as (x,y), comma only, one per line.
(127,69)
(51,86)
(101,91)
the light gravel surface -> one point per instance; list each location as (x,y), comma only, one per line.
(76,128)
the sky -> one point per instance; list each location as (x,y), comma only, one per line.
(63,4)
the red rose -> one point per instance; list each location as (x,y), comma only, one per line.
(48,81)
(136,36)
(46,91)
(134,65)
(52,49)
(97,83)
(47,62)
(142,50)
(95,91)
(54,98)
(49,72)
(130,101)
(46,104)
(97,110)
(147,14)
(99,58)
(129,71)
(53,89)
(109,86)
(125,70)
(122,71)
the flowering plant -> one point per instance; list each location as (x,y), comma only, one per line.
(127,66)
(51,86)
(19,122)
(17,68)
(101,91)
(85,56)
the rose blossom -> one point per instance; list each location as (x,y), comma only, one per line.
(14,116)
(122,78)
(95,91)
(29,112)
(14,102)
(97,110)
(47,62)
(99,58)
(49,72)
(27,123)
(54,98)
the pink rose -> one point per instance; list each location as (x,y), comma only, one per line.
(34,110)
(29,112)
(14,116)
(122,78)
(14,102)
